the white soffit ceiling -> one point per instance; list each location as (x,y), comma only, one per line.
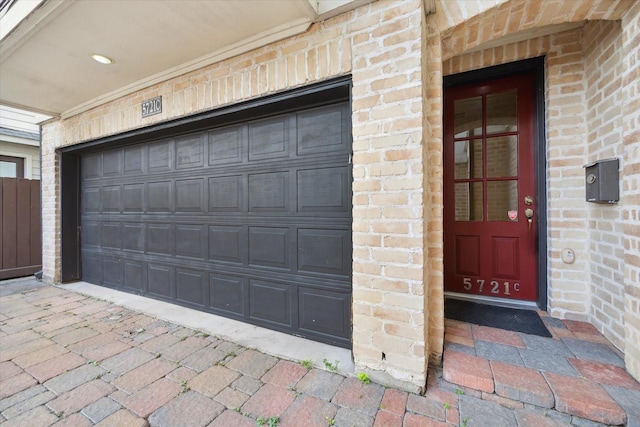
(45,62)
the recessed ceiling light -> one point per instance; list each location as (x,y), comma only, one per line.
(102,59)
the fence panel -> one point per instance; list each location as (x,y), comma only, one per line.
(20,227)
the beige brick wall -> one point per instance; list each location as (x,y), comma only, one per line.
(433,188)
(388,260)
(630,187)
(380,45)
(50,191)
(602,41)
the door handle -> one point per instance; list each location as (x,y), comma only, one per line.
(529,214)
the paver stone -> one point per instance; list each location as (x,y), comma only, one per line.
(466,370)
(360,397)
(308,411)
(189,409)
(592,402)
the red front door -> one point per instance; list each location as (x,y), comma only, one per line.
(490,206)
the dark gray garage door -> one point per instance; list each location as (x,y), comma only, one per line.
(250,221)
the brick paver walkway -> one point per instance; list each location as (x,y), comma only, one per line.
(72,360)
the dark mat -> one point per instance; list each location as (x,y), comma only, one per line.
(510,319)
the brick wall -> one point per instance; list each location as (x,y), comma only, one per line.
(602,57)
(380,45)
(433,187)
(630,187)
(388,259)
(50,194)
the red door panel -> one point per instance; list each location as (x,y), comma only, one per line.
(490,210)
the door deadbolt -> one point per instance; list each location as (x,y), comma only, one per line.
(528,200)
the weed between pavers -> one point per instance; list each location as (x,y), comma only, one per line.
(296,392)
(271,421)
(185,387)
(364,378)
(333,367)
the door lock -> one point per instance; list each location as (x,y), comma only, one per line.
(528,200)
(529,214)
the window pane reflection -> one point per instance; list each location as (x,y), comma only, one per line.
(502,196)
(502,109)
(468,159)
(469,201)
(502,156)
(468,117)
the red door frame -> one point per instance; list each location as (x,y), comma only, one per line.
(536,67)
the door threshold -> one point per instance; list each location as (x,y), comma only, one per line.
(500,302)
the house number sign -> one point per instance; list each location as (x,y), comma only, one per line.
(494,286)
(152,106)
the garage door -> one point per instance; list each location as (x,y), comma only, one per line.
(251,221)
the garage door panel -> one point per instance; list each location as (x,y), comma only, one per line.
(160,156)
(133,198)
(190,286)
(134,275)
(134,159)
(324,190)
(269,247)
(91,166)
(324,311)
(225,194)
(269,192)
(111,235)
(324,251)
(226,145)
(250,221)
(190,195)
(190,151)
(228,243)
(160,280)
(111,198)
(91,267)
(113,271)
(323,130)
(159,196)
(227,293)
(112,163)
(191,241)
(160,239)
(134,237)
(91,199)
(91,233)
(269,139)
(271,302)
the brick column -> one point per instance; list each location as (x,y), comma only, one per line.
(50,183)
(388,191)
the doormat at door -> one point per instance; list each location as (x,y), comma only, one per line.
(510,319)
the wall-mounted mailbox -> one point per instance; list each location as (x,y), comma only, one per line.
(602,182)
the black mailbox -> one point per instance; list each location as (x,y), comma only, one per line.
(601,181)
